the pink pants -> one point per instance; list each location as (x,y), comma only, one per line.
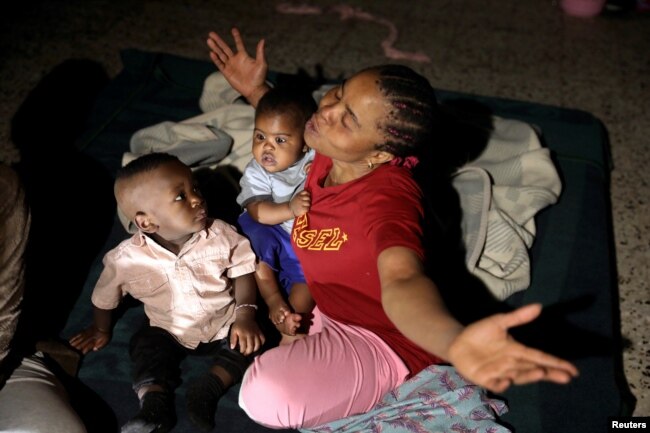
(337,371)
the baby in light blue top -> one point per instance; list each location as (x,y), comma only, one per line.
(258,184)
(272,196)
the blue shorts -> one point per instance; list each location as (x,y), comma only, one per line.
(272,245)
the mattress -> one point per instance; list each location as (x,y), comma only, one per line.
(573,263)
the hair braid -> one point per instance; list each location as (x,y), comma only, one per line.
(409,127)
(415,127)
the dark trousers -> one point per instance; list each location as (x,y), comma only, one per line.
(156,356)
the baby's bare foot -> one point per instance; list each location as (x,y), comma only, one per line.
(288,339)
(289,326)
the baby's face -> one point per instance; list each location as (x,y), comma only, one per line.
(277,142)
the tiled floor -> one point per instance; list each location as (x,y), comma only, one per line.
(519,49)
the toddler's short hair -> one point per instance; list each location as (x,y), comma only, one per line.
(144,163)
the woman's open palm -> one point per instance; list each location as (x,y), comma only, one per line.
(245,74)
(487,355)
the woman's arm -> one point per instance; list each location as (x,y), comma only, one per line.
(245,74)
(413,303)
(483,352)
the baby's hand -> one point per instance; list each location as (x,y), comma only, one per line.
(89,339)
(300,203)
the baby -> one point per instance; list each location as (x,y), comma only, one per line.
(272,197)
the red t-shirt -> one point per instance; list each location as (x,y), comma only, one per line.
(339,240)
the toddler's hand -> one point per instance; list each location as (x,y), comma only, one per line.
(89,339)
(300,203)
(247,334)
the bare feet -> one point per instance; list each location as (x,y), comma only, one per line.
(288,339)
(289,324)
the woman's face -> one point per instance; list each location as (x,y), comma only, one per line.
(346,126)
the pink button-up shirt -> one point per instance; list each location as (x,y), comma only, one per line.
(189,295)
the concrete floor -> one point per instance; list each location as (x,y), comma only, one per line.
(519,49)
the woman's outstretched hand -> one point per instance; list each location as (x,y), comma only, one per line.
(487,355)
(245,74)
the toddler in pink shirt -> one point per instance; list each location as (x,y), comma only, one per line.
(194,276)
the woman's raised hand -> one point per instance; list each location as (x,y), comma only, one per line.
(487,355)
(245,74)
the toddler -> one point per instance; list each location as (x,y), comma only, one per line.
(194,276)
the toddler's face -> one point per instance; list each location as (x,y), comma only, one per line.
(170,197)
(277,142)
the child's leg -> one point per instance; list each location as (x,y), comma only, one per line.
(266,241)
(204,393)
(301,300)
(273,297)
(340,371)
(156,358)
(297,326)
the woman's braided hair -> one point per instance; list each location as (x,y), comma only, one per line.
(415,127)
(411,122)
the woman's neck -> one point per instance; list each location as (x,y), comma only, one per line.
(341,173)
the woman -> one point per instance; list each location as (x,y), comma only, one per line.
(382,320)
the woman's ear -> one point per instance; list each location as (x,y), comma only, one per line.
(144,223)
(381,157)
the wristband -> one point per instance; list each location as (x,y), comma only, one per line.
(253,306)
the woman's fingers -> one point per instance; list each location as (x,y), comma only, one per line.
(549,362)
(518,357)
(239,43)
(523,365)
(524,353)
(219,45)
(519,317)
(259,52)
